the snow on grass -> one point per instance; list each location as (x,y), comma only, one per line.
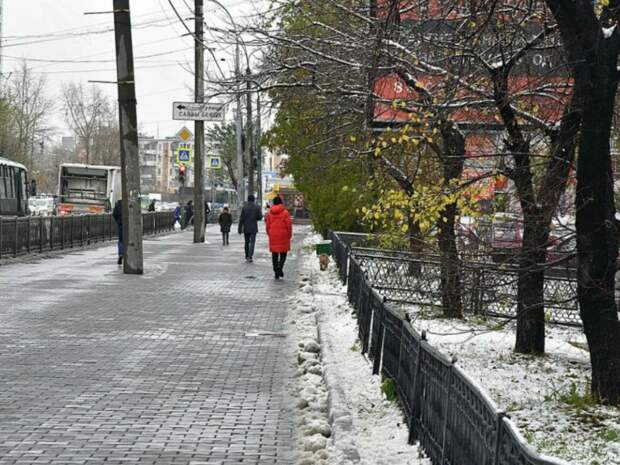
(364,427)
(547,397)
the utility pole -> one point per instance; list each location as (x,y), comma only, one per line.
(239,130)
(128,120)
(259,151)
(249,142)
(199,126)
(1,35)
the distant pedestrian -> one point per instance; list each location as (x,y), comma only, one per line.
(225,220)
(117,214)
(248,226)
(207,213)
(178,212)
(152,206)
(189,214)
(280,231)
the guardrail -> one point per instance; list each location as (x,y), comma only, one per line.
(454,421)
(22,236)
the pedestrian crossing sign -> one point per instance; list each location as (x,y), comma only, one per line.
(215,163)
(184,155)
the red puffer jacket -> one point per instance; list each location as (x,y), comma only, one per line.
(279,229)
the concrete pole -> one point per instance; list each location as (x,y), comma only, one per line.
(128,120)
(239,130)
(249,141)
(259,151)
(1,35)
(199,126)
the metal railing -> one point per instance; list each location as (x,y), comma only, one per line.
(454,421)
(487,288)
(22,236)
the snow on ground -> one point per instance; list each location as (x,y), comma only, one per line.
(544,396)
(345,417)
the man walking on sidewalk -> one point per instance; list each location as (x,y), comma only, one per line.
(117,214)
(248,225)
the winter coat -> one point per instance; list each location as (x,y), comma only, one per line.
(250,215)
(117,213)
(279,229)
(225,222)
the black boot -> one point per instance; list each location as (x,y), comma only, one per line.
(120,260)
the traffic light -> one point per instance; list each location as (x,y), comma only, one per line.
(182,170)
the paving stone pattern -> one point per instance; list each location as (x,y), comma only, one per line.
(100,367)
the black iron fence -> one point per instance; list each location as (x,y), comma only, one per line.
(455,422)
(487,288)
(22,236)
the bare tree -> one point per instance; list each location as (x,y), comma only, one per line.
(25,113)
(90,114)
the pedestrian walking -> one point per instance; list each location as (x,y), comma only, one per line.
(207,213)
(189,214)
(225,220)
(117,214)
(178,211)
(152,206)
(280,231)
(248,226)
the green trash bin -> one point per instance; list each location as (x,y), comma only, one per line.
(324,247)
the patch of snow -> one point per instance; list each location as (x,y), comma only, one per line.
(354,423)
(609,31)
(540,394)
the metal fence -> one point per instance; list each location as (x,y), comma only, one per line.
(487,288)
(22,236)
(455,422)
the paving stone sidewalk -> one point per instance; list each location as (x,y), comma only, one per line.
(173,367)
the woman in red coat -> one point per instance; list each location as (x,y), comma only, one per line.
(280,230)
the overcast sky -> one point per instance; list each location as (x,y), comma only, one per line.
(41,31)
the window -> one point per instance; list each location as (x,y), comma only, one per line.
(2,182)
(10,182)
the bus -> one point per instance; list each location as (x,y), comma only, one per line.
(88,189)
(13,188)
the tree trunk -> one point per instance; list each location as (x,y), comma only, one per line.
(597,244)
(453,163)
(530,337)
(450,265)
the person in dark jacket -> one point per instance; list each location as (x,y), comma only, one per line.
(189,214)
(177,213)
(248,226)
(117,214)
(225,220)
(207,213)
(279,229)
(152,206)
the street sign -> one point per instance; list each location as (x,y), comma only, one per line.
(184,155)
(184,134)
(215,163)
(198,111)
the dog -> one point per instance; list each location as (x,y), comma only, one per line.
(323,261)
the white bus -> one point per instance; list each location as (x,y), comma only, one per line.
(88,189)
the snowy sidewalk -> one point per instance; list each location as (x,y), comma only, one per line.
(186,364)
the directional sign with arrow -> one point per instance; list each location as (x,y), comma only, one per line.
(186,111)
